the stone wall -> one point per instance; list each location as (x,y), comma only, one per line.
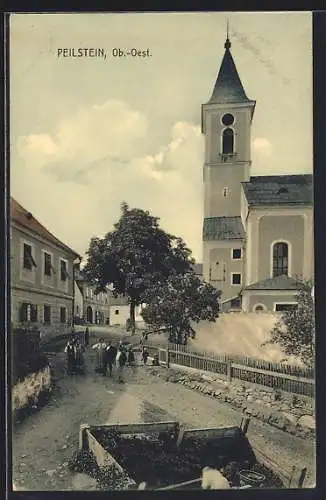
(31,392)
(288,412)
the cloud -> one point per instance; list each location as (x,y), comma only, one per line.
(74,178)
(262,146)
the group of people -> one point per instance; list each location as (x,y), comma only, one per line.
(107,357)
(75,356)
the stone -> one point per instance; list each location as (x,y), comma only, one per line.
(50,472)
(259,402)
(307,421)
(64,447)
(290,417)
(250,398)
(84,482)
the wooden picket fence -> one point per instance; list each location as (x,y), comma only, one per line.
(293,379)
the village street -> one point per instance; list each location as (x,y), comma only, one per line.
(47,439)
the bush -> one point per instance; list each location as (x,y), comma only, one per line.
(26,356)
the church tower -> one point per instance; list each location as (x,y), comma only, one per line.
(226,125)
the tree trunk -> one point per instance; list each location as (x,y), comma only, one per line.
(132,317)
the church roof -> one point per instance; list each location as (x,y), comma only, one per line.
(228,87)
(223,228)
(282,282)
(24,218)
(279,190)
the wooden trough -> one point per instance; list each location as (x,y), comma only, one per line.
(104,458)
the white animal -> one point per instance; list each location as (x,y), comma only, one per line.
(142,486)
(212,479)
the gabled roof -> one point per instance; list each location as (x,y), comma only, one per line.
(279,190)
(24,218)
(228,88)
(282,282)
(223,228)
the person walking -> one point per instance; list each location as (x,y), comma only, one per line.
(145,355)
(79,354)
(131,359)
(111,354)
(71,357)
(100,348)
(86,337)
(121,360)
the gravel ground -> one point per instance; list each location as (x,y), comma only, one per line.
(44,443)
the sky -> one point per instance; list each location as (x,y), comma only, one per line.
(88,133)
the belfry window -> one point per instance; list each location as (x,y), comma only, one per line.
(228,141)
(280,259)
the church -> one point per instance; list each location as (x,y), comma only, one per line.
(257,230)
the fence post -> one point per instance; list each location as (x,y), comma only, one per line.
(168,357)
(302,477)
(229,371)
(82,436)
(245,424)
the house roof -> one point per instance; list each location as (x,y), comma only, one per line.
(282,282)
(279,190)
(24,218)
(223,228)
(228,88)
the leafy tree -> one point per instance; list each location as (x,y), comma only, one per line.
(295,330)
(178,302)
(136,254)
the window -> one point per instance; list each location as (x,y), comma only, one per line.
(228,119)
(259,308)
(63,315)
(29,262)
(236,278)
(47,314)
(225,192)
(28,312)
(63,270)
(235,303)
(285,307)
(228,141)
(280,259)
(116,311)
(236,253)
(47,264)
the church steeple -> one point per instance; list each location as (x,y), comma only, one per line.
(228,88)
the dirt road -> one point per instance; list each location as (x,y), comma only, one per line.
(43,444)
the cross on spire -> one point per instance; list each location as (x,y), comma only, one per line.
(227,44)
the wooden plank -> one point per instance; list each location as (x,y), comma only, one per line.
(181,485)
(284,474)
(180,435)
(105,459)
(211,432)
(140,428)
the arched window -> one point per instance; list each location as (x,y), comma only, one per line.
(280,259)
(228,141)
(259,308)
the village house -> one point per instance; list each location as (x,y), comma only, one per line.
(99,308)
(42,274)
(90,308)
(257,230)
